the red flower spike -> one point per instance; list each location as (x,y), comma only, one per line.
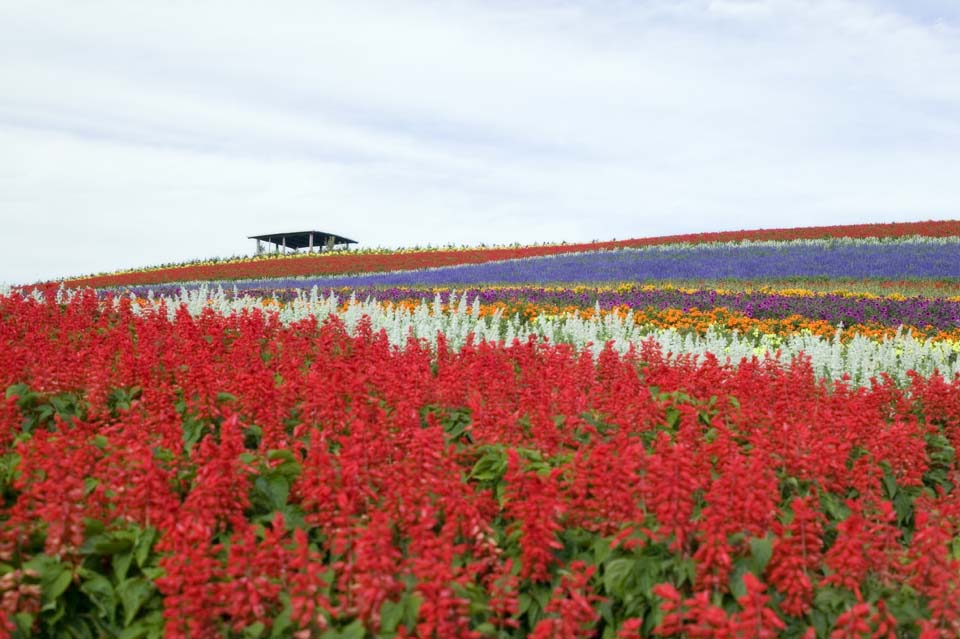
(797,556)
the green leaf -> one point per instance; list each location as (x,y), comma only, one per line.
(120,399)
(391,612)
(737,588)
(24,623)
(615,576)
(152,573)
(141,548)
(541,594)
(941,455)
(686,571)
(523,602)
(54,583)
(136,631)
(831,599)
(456,424)
(133,594)
(100,591)
(672,418)
(78,628)
(491,466)
(106,544)
(8,470)
(411,610)
(22,391)
(121,565)
(903,505)
(44,413)
(271,492)
(192,431)
(905,606)
(163,454)
(821,623)
(282,622)
(890,484)
(354,630)
(281,453)
(149,627)
(289,468)
(92,527)
(254,631)
(252,435)
(89,485)
(761,549)
(601,550)
(834,507)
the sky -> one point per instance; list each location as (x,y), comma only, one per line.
(141,133)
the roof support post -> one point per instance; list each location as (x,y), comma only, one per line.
(311,242)
(284,243)
(259,248)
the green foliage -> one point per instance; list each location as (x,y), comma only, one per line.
(9,471)
(404,612)
(454,421)
(942,457)
(40,410)
(270,487)
(121,399)
(107,591)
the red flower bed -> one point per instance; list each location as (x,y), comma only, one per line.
(232,477)
(369,263)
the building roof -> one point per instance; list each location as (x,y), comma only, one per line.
(301,239)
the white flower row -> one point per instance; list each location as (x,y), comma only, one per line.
(860,358)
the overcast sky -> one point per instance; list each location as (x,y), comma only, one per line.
(138,133)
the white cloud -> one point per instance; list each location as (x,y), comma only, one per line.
(134,134)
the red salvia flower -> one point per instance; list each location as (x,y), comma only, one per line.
(797,556)
(532,502)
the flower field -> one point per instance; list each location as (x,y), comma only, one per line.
(907,257)
(369,261)
(743,437)
(940,317)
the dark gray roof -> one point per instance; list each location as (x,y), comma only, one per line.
(301,239)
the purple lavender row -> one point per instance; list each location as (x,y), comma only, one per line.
(899,260)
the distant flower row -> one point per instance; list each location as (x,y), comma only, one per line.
(379,260)
(856,354)
(942,314)
(914,257)
(938,318)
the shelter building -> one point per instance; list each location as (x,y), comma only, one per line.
(297,240)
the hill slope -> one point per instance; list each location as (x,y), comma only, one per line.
(373,262)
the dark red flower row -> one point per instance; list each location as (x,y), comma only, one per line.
(233,477)
(372,263)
